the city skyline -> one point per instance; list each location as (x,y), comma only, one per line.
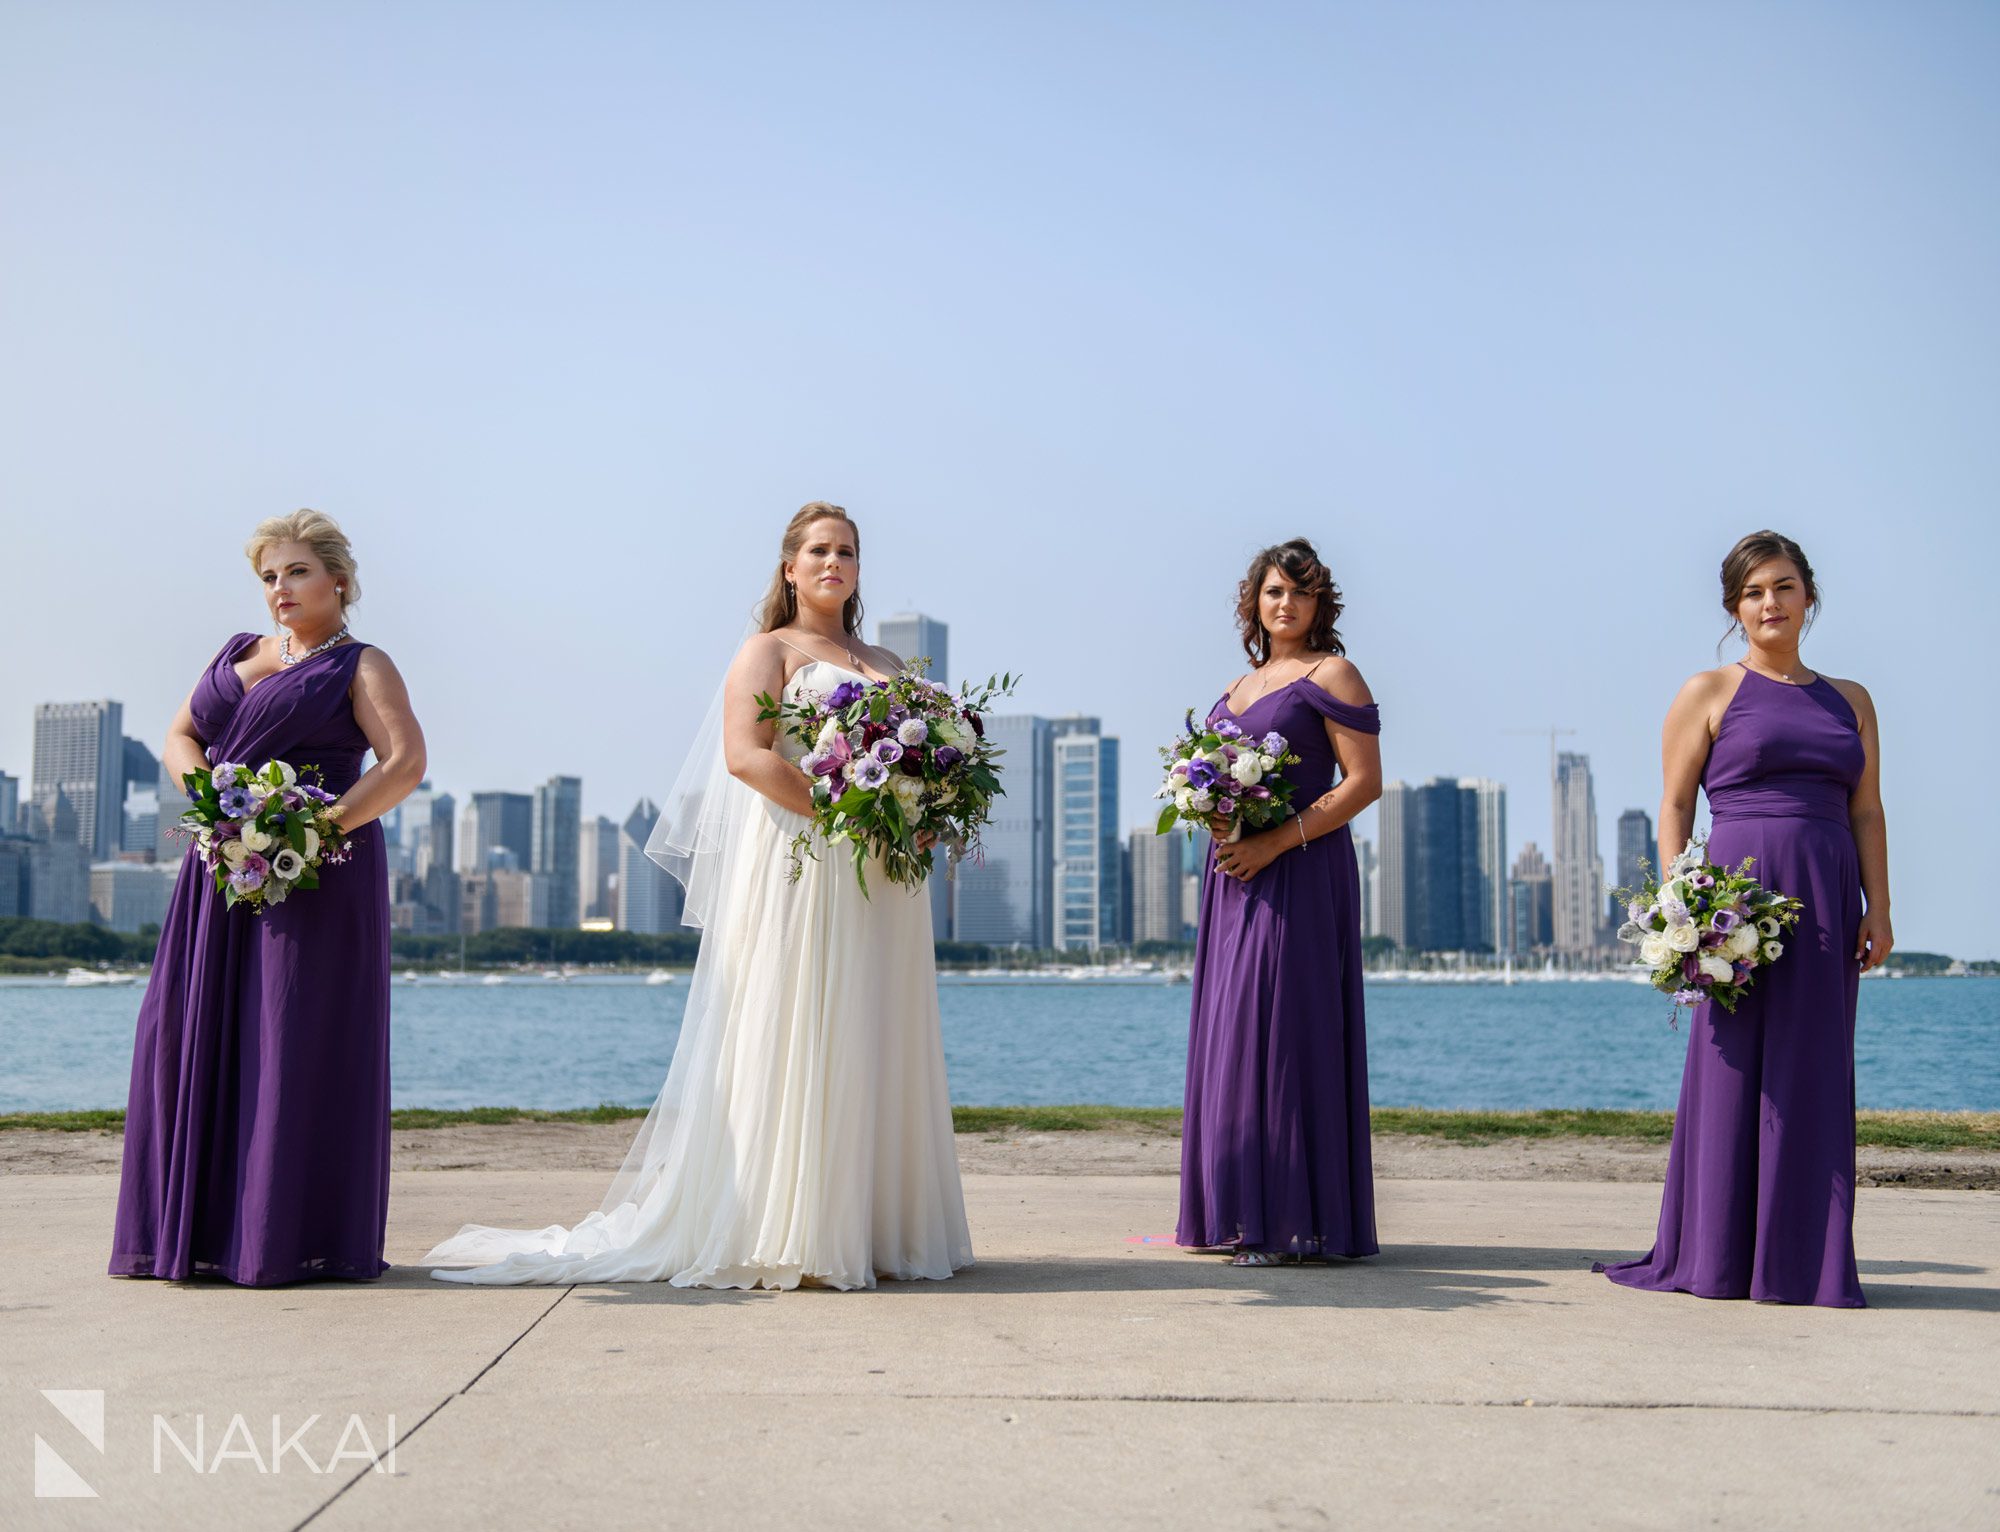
(1506,315)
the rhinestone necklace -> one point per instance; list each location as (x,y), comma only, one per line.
(286,657)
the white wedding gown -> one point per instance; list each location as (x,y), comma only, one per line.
(804,1132)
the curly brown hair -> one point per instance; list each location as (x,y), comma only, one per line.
(1300,564)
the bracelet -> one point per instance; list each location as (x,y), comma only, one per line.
(1302,831)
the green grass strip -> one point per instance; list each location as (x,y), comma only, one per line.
(1875,1130)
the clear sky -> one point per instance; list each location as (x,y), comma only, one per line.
(1523,312)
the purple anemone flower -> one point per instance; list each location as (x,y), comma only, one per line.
(887,751)
(1229,730)
(844,694)
(235,802)
(870,772)
(947,757)
(1725,920)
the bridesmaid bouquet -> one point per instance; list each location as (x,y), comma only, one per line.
(1705,930)
(1218,769)
(893,760)
(261,833)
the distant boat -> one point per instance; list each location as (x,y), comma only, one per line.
(659,976)
(409,978)
(80,978)
(554,976)
(494,978)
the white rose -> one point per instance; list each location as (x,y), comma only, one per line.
(1654,951)
(909,789)
(1773,951)
(233,853)
(1184,800)
(1683,938)
(255,839)
(1717,967)
(288,864)
(1246,771)
(1267,762)
(286,776)
(1742,942)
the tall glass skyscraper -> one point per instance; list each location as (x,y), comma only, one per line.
(1007,898)
(1089,879)
(1443,880)
(80,754)
(555,830)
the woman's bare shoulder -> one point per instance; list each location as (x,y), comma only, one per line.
(1341,679)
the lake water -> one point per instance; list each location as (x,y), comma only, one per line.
(1921,1043)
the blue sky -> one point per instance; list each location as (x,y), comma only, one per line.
(1523,312)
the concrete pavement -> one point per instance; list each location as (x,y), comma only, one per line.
(1475,1373)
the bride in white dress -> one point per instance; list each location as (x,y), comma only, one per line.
(804,1132)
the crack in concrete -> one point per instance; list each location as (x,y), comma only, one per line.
(362,1473)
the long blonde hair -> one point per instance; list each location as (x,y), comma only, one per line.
(319,532)
(781,603)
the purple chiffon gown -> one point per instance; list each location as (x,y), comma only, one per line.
(1759,1199)
(1274,1148)
(257,1129)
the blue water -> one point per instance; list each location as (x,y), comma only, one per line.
(1921,1043)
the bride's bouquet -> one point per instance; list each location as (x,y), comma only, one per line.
(1703,930)
(262,833)
(1217,769)
(891,761)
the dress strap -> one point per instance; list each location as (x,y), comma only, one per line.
(794,647)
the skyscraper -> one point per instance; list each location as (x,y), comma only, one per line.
(498,821)
(1088,907)
(649,900)
(80,752)
(556,827)
(10,804)
(1156,886)
(1369,870)
(1635,847)
(1442,881)
(1531,897)
(597,870)
(915,636)
(1007,897)
(1579,866)
(1392,829)
(1494,932)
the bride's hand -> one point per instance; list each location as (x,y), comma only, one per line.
(926,839)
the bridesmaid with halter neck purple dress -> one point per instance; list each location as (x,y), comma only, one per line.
(1275,1153)
(257,1130)
(1759,1200)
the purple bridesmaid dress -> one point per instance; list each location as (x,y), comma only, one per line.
(257,1130)
(1759,1200)
(1274,1147)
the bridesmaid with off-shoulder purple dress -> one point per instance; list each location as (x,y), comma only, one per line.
(257,1130)
(1275,1155)
(1759,1200)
